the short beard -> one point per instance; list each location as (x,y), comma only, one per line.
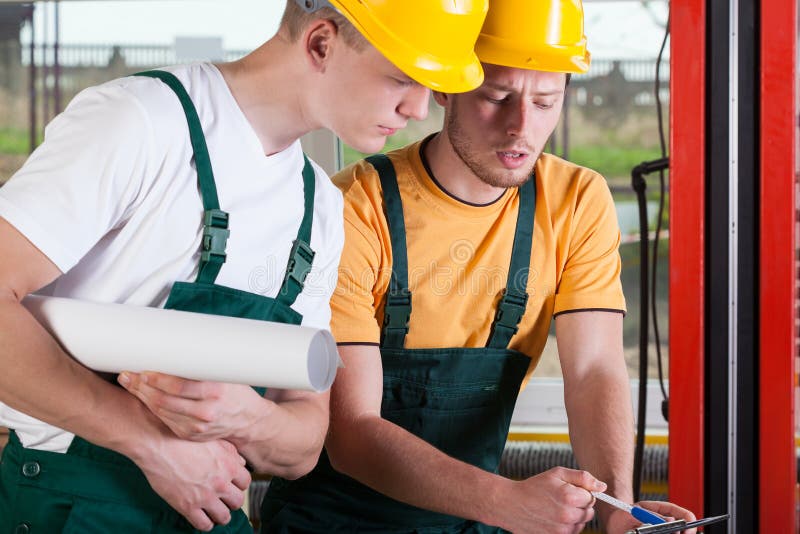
(463,148)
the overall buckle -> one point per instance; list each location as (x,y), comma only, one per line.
(511,309)
(397,311)
(215,234)
(300,260)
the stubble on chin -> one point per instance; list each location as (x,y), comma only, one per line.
(464,149)
(509,178)
(504,178)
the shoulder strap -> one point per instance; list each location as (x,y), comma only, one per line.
(302,256)
(397,310)
(512,304)
(215,221)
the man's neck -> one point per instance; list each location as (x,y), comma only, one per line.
(267,84)
(452,174)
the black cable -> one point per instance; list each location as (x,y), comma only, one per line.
(639,185)
(665,396)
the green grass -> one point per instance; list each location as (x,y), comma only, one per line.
(612,161)
(13,141)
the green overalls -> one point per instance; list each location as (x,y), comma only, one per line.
(458,399)
(91,489)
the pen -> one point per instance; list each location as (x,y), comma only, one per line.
(639,513)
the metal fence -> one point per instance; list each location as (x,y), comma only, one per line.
(136,55)
(102,55)
(633,70)
(607,95)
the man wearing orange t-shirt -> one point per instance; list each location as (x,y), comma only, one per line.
(459,252)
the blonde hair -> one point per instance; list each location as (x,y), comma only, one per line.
(296,20)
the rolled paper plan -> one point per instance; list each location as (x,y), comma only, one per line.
(119,337)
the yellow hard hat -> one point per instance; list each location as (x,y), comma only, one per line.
(432,41)
(535,34)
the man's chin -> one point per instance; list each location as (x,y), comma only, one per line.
(506,180)
(369,145)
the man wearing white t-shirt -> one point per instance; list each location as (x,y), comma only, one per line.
(124,203)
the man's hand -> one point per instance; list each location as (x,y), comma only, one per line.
(620,522)
(281,434)
(194,410)
(558,501)
(202,481)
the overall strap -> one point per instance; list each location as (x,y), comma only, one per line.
(215,221)
(397,311)
(512,304)
(302,256)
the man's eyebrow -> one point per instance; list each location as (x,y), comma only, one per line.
(498,86)
(508,89)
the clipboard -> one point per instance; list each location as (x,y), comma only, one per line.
(677,526)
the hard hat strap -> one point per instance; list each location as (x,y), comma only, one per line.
(310,6)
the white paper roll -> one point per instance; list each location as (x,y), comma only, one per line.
(118,337)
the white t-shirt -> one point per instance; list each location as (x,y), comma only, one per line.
(111,197)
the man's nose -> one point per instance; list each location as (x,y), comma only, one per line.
(415,103)
(518,118)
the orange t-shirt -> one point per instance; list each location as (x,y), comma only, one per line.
(459,254)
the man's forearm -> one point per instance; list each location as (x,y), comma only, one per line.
(394,462)
(601,430)
(41,380)
(285,438)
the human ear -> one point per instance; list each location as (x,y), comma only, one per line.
(318,41)
(441,98)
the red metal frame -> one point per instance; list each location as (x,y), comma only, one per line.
(777,285)
(687,257)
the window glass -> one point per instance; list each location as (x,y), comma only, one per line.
(610,124)
(102,40)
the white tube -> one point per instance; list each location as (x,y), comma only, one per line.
(118,337)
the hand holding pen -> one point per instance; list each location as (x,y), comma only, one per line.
(637,512)
(648,517)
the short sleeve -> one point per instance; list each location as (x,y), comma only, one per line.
(591,276)
(321,281)
(82,181)
(353,305)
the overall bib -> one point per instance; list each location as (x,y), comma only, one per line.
(91,489)
(460,400)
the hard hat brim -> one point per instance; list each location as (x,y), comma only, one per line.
(451,78)
(551,58)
